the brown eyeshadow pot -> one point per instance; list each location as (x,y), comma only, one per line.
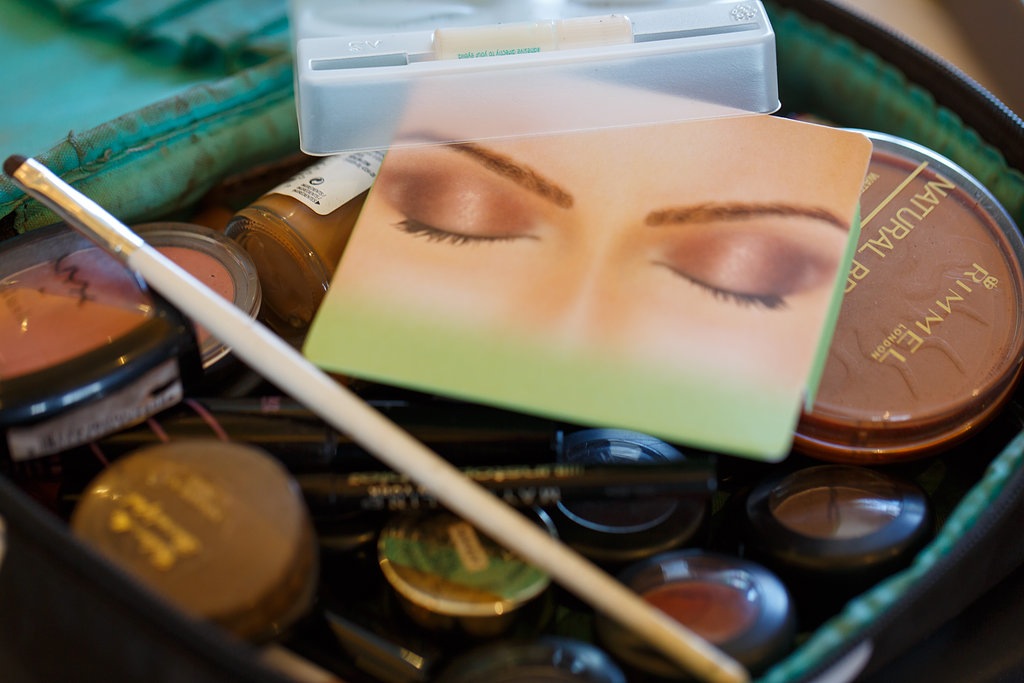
(929,341)
(217,528)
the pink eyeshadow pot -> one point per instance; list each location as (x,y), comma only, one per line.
(216,261)
(739,606)
(930,339)
(85,348)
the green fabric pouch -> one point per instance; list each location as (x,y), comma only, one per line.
(227,71)
(215,110)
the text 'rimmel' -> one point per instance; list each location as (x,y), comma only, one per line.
(908,338)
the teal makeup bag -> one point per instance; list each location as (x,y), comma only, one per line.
(215,99)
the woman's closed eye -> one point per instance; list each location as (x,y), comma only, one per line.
(432,233)
(766,301)
(449,198)
(746,265)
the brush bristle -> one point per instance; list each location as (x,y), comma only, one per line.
(13,163)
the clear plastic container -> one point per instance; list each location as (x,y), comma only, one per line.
(367,73)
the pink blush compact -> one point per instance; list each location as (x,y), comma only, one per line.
(216,261)
(85,348)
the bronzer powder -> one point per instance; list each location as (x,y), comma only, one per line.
(929,338)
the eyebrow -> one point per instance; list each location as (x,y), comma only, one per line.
(735,211)
(505,166)
(518,173)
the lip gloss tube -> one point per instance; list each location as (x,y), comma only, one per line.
(528,37)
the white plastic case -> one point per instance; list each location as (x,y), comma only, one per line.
(377,73)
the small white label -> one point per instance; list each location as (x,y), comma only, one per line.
(158,389)
(333,181)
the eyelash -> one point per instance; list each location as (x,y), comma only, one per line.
(771,302)
(434,234)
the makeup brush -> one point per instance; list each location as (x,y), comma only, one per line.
(285,367)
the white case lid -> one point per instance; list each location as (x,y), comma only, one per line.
(369,71)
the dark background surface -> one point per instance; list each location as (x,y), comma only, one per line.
(984,644)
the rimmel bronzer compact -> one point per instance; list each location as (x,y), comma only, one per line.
(929,340)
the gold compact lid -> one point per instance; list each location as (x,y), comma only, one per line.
(218,528)
(441,563)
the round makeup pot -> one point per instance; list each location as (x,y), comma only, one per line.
(832,531)
(546,660)
(216,261)
(217,528)
(930,339)
(617,533)
(450,578)
(734,604)
(86,349)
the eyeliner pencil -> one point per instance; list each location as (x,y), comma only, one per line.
(520,486)
(465,434)
(285,367)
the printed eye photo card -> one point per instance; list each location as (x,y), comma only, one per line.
(678,279)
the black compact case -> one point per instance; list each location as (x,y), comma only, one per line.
(65,614)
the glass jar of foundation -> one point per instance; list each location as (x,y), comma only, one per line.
(296,233)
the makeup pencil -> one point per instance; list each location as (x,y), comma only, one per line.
(281,364)
(520,486)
